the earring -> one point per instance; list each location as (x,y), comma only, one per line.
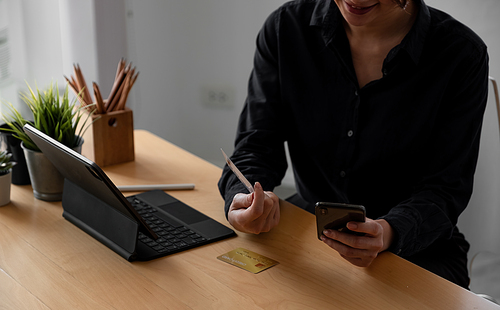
(406,5)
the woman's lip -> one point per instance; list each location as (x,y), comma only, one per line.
(358,10)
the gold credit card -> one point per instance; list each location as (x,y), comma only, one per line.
(247,260)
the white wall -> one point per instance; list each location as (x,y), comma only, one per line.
(183,49)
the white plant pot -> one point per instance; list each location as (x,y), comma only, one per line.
(5,184)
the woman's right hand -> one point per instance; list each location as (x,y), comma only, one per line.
(256,212)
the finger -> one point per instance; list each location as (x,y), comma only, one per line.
(241,201)
(358,257)
(348,239)
(271,212)
(239,214)
(256,208)
(276,207)
(271,204)
(370,227)
(342,248)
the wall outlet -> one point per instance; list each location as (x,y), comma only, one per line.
(218,96)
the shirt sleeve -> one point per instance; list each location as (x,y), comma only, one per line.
(259,146)
(446,186)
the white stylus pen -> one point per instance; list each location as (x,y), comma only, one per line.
(163,187)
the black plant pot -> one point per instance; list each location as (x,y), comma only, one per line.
(20,174)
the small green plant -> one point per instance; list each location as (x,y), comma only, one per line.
(5,163)
(53,115)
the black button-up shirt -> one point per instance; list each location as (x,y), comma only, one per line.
(404,146)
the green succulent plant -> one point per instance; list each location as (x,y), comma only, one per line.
(53,115)
(5,163)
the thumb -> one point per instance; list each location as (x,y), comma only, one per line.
(258,198)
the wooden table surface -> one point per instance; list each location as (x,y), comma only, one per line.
(48,263)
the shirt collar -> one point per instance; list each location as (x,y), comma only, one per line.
(327,16)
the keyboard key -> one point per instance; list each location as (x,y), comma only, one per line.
(158,247)
(181,244)
(189,240)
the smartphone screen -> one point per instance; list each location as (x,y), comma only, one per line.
(331,215)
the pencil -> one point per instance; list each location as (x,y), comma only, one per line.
(75,90)
(98,99)
(115,88)
(82,85)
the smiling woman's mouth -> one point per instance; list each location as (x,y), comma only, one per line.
(358,10)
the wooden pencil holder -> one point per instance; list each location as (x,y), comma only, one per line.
(112,138)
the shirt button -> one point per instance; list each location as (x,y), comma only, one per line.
(355,93)
(350,133)
(342,174)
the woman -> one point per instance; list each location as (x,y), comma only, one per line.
(381,104)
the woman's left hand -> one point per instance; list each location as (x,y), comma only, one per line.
(360,250)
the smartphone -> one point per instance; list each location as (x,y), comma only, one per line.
(331,215)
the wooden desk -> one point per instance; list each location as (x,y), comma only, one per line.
(47,263)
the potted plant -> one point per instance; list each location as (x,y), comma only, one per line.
(20,174)
(5,176)
(57,117)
